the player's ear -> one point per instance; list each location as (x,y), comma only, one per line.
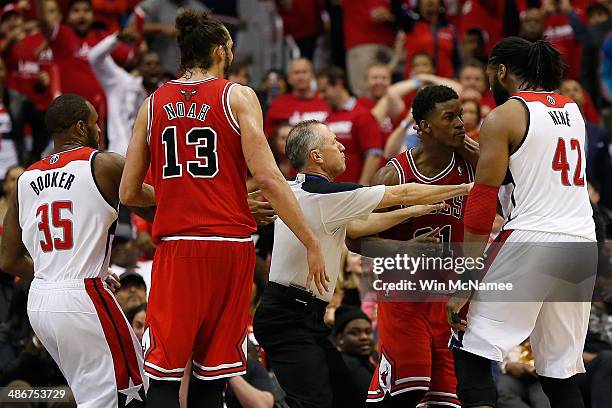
(424,127)
(81,128)
(502,72)
(315,156)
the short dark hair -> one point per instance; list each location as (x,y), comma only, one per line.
(333,75)
(131,313)
(538,64)
(478,33)
(597,8)
(197,35)
(426,99)
(73,2)
(65,111)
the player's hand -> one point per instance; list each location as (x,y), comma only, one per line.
(128,35)
(453,306)
(261,210)
(419,210)
(468,187)
(471,145)
(316,269)
(113,282)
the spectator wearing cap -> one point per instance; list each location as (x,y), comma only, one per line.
(302,103)
(355,127)
(133,290)
(355,341)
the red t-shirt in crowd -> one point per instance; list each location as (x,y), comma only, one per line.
(487,19)
(359,28)
(25,61)
(387,125)
(70,54)
(421,39)
(358,131)
(288,108)
(561,35)
(303,18)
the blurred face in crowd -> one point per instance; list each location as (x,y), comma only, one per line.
(281,138)
(131,294)
(470,116)
(357,338)
(472,45)
(422,64)
(138,324)
(572,89)
(331,93)
(378,79)
(444,125)
(473,78)
(12,26)
(329,153)
(241,77)
(598,17)
(11,179)
(52,12)
(429,7)
(532,26)
(299,75)
(151,68)
(81,17)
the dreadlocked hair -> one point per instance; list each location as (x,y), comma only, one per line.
(538,64)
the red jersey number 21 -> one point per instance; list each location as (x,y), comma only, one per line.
(49,243)
(561,165)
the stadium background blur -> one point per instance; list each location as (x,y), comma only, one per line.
(295,53)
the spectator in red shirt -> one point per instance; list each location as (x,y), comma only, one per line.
(108,12)
(428,31)
(559,32)
(354,126)
(302,21)
(303,103)
(471,118)
(29,71)
(368,36)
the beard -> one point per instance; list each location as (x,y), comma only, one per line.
(92,140)
(500,94)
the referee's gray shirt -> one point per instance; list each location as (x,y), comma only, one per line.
(328,208)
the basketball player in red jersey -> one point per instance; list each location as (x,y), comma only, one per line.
(199,134)
(423,373)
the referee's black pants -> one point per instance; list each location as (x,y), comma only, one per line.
(296,342)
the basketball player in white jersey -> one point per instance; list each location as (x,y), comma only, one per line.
(58,232)
(534,144)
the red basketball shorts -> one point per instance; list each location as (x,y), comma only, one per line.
(198,304)
(414,353)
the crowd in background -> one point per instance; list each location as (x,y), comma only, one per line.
(354,65)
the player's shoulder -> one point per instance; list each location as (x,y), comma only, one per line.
(548,99)
(61,159)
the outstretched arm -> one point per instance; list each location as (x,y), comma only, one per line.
(413,193)
(261,163)
(379,222)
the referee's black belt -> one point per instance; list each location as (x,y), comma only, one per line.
(296,296)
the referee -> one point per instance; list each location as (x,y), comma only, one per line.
(289,321)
